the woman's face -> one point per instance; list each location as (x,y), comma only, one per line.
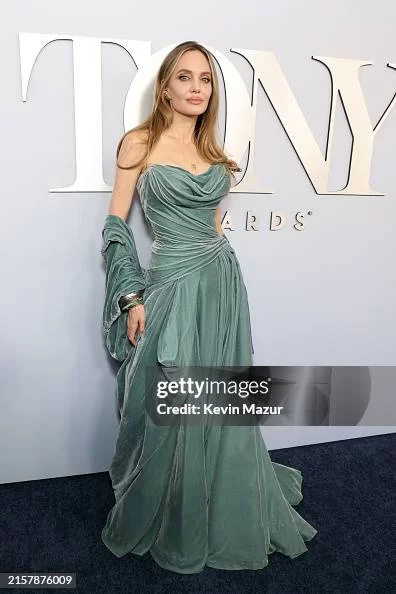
(190,86)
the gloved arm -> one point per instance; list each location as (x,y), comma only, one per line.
(124,275)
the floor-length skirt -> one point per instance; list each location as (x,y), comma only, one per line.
(203,494)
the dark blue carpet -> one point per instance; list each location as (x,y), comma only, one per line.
(349,496)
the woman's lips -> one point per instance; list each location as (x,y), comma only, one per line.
(195,101)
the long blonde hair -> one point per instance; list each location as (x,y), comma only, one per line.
(161,116)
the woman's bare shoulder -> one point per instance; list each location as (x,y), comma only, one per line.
(133,146)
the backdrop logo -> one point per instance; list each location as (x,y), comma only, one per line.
(240,113)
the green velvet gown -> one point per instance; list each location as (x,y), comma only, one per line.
(191,495)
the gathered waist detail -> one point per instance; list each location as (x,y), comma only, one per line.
(174,259)
(187,243)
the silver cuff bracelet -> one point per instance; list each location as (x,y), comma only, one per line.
(126,299)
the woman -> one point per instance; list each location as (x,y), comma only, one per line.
(203,494)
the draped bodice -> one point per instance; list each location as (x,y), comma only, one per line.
(180,207)
(178,203)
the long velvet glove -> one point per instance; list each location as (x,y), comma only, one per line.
(123,275)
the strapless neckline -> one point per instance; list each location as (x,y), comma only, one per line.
(164,165)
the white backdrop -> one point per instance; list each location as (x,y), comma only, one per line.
(321,296)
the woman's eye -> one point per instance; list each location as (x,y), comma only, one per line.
(183,76)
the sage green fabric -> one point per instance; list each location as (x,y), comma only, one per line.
(123,275)
(191,495)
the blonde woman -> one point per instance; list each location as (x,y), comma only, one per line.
(191,494)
